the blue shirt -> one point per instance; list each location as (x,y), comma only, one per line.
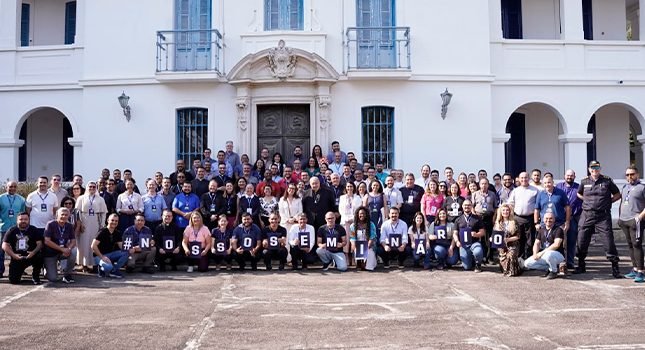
(229,168)
(186,203)
(153,207)
(240,232)
(555,203)
(572,195)
(10,207)
(132,232)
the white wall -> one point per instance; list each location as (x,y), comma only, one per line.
(541,19)
(543,149)
(609,19)
(612,139)
(44,143)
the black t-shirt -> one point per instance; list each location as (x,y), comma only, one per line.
(473,221)
(220,237)
(331,237)
(453,207)
(164,233)
(547,238)
(30,238)
(280,232)
(108,241)
(59,235)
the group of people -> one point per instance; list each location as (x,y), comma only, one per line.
(308,209)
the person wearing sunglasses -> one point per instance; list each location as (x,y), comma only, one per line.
(56,188)
(631,212)
(597,192)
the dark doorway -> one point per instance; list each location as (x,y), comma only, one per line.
(512,19)
(283,127)
(516,145)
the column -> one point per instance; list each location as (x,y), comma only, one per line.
(80,163)
(499,152)
(641,16)
(575,152)
(9,158)
(323,106)
(571,20)
(242,104)
(9,23)
(640,155)
(495,15)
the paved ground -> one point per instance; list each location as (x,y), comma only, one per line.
(314,309)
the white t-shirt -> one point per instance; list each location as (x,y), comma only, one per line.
(42,208)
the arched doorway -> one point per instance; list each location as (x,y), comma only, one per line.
(46,150)
(534,129)
(617,140)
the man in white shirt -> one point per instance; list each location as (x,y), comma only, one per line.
(41,206)
(522,199)
(56,189)
(393,196)
(425,176)
(394,240)
(301,238)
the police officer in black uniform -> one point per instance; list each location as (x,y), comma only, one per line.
(597,193)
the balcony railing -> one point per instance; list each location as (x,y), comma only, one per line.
(189,51)
(378,48)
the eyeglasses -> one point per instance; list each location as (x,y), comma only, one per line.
(68,203)
(595,168)
(76,189)
(630,174)
(56,180)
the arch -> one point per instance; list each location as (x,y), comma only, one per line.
(627,105)
(255,68)
(548,105)
(30,111)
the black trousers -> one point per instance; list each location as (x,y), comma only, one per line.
(488,228)
(599,222)
(219,259)
(168,258)
(299,256)
(18,267)
(244,257)
(393,254)
(279,254)
(526,230)
(634,241)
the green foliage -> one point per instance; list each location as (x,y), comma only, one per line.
(24,188)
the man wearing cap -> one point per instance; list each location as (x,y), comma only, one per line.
(597,193)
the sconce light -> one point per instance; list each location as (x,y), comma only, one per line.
(445,98)
(123,101)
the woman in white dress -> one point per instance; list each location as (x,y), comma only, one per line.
(347,205)
(290,206)
(92,211)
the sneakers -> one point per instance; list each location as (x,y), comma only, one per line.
(562,269)
(552,275)
(640,278)
(386,265)
(632,274)
(615,270)
(68,280)
(269,267)
(401,265)
(581,268)
(325,266)
(129,269)
(478,268)
(189,269)
(116,274)
(36,281)
(281,267)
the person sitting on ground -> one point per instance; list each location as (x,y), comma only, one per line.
(60,245)
(109,255)
(548,251)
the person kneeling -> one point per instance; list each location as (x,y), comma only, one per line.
(547,250)
(60,244)
(331,240)
(168,241)
(23,243)
(273,242)
(246,242)
(139,242)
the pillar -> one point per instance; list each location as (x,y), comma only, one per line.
(495,15)
(9,157)
(571,20)
(575,153)
(9,23)
(242,105)
(499,152)
(641,15)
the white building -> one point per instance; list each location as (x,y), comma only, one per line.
(543,84)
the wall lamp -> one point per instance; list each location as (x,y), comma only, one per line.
(123,101)
(445,98)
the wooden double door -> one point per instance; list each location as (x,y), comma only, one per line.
(283,127)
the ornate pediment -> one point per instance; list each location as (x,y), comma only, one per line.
(282,63)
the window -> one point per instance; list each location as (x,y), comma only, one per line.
(283,15)
(192,133)
(512,19)
(70,22)
(378,135)
(193,24)
(376,35)
(24,25)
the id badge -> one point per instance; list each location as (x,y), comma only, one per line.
(11,213)
(337,201)
(90,212)
(187,208)
(22,244)
(410,199)
(43,207)
(212,208)
(249,210)
(389,204)
(61,243)
(433,211)
(154,208)
(484,206)
(131,207)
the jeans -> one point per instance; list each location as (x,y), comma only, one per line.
(572,239)
(1,255)
(441,252)
(469,253)
(394,253)
(426,257)
(634,241)
(119,256)
(51,265)
(17,268)
(145,256)
(339,258)
(548,262)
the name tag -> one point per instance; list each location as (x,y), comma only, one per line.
(212,208)
(389,203)
(131,207)
(195,248)
(186,207)
(466,236)
(90,212)
(410,199)
(10,213)
(337,200)
(394,240)
(153,208)
(249,210)
(22,244)
(433,211)
(43,207)
(361,250)
(168,243)
(497,239)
